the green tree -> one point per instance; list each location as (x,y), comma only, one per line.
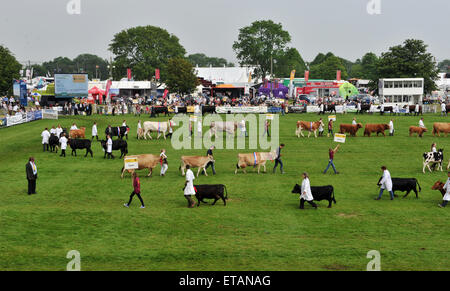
(260,42)
(410,60)
(204,61)
(60,65)
(9,70)
(181,76)
(290,60)
(143,49)
(444,66)
(327,69)
(89,65)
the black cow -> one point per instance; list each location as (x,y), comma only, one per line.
(329,108)
(389,109)
(364,108)
(215,192)
(319,193)
(78,144)
(119,144)
(208,109)
(53,142)
(404,184)
(182,109)
(120,131)
(156,110)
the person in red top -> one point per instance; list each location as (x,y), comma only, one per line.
(136,191)
(331,153)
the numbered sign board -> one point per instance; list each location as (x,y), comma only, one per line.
(193,118)
(269,116)
(332,117)
(339,137)
(131,164)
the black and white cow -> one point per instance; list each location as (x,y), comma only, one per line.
(319,193)
(215,192)
(78,144)
(118,144)
(433,158)
(404,185)
(53,142)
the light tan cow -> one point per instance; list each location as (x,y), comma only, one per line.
(159,127)
(145,161)
(439,127)
(253,160)
(199,162)
(309,126)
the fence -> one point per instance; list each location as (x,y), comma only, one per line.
(28,117)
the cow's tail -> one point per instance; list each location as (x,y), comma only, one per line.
(226,192)
(420,188)
(334,200)
(237,166)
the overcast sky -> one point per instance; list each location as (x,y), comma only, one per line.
(40,30)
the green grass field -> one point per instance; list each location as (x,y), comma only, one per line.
(79,206)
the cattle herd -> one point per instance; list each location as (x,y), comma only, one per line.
(77,140)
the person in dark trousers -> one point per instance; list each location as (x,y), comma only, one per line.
(278,159)
(331,153)
(330,128)
(306,194)
(446,188)
(210,153)
(136,191)
(31,171)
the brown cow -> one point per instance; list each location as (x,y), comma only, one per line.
(78,133)
(439,127)
(253,160)
(350,128)
(199,162)
(309,126)
(145,161)
(378,128)
(418,130)
(439,186)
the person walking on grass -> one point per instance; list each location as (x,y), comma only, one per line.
(189,190)
(321,128)
(306,192)
(330,128)
(266,128)
(278,160)
(109,145)
(391,128)
(31,171)
(446,188)
(209,153)
(94,131)
(163,161)
(136,190)
(63,141)
(385,183)
(45,138)
(331,153)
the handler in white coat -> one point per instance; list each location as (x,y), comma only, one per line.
(45,137)
(385,183)
(109,145)
(94,131)
(391,128)
(189,187)
(63,141)
(446,198)
(306,193)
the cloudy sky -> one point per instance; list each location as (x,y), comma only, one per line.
(39,30)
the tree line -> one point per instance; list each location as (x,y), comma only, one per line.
(263,44)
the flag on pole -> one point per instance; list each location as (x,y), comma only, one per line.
(129,74)
(292,75)
(338,75)
(157,74)
(306,76)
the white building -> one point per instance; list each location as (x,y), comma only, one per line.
(401,91)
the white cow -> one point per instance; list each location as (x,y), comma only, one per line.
(220,126)
(160,127)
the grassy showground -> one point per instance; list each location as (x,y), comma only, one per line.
(79,206)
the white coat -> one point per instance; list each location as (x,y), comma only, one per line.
(189,190)
(59,130)
(45,136)
(306,190)
(109,144)
(386,181)
(391,127)
(94,130)
(53,131)
(447,189)
(74,127)
(63,142)
(443,108)
(421,124)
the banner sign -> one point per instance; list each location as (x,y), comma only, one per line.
(71,85)
(297,109)
(131,163)
(338,137)
(243,109)
(3,122)
(269,116)
(313,109)
(16,119)
(332,117)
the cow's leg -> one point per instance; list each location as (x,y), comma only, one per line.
(407,193)
(309,133)
(164,134)
(150,172)
(204,171)
(215,199)
(424,166)
(329,202)
(315,133)
(301,132)
(198,172)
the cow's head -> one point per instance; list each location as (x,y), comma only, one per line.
(211,159)
(386,126)
(103,143)
(438,186)
(424,129)
(359,125)
(297,189)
